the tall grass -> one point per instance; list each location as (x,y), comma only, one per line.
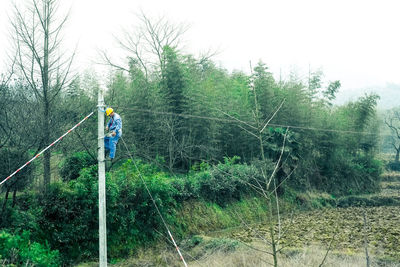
(310,256)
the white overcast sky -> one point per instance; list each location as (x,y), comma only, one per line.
(355,41)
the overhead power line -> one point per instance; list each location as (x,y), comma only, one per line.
(41,152)
(237,121)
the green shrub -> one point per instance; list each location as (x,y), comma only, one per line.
(131,211)
(69,218)
(187,187)
(361,175)
(70,211)
(345,176)
(15,218)
(71,166)
(221,184)
(11,160)
(20,251)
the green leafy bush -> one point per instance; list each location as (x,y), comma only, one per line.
(11,160)
(70,211)
(18,250)
(71,166)
(132,214)
(69,218)
(221,183)
(360,175)
(343,175)
(224,183)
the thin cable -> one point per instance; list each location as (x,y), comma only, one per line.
(183,115)
(321,130)
(246,123)
(155,204)
(41,152)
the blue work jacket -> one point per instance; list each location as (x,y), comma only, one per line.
(115,124)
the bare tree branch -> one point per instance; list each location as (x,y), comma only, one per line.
(147,45)
(273,115)
(279,160)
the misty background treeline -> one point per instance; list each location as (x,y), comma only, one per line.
(184,119)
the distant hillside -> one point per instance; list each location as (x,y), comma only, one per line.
(390,95)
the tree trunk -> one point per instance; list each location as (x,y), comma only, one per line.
(171,153)
(280,175)
(5,200)
(397,155)
(14,198)
(272,234)
(46,126)
(47,153)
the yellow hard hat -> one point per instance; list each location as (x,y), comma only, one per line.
(109,111)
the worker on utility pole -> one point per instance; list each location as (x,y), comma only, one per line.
(114,126)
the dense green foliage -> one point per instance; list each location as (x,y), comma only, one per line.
(221,183)
(71,166)
(67,217)
(197,132)
(12,159)
(19,250)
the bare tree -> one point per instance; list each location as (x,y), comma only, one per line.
(147,46)
(37,35)
(268,188)
(145,43)
(272,181)
(5,128)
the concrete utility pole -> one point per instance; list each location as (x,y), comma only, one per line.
(102,183)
